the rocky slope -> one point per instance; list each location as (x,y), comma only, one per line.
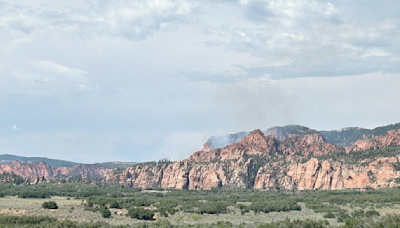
(392,138)
(345,137)
(40,170)
(294,158)
(263,162)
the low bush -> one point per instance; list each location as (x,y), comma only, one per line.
(196,217)
(33,195)
(140,213)
(115,204)
(372,213)
(50,205)
(105,213)
(329,215)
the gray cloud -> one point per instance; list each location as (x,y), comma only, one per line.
(132,20)
(314,38)
(144,80)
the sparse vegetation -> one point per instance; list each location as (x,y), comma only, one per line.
(196,217)
(231,207)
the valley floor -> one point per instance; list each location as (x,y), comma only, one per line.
(73,210)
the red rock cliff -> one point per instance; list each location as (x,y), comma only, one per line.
(265,163)
(43,170)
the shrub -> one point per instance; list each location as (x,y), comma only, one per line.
(49,205)
(140,213)
(115,204)
(33,195)
(196,217)
(372,213)
(1,194)
(342,217)
(329,215)
(105,213)
(90,203)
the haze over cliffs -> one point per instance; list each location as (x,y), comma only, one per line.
(343,137)
(302,159)
(290,158)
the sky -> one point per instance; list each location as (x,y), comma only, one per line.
(96,80)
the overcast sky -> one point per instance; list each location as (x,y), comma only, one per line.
(142,80)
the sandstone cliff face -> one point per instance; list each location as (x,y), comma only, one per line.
(265,163)
(26,170)
(392,138)
(327,175)
(140,176)
(256,143)
(38,171)
(279,133)
(313,143)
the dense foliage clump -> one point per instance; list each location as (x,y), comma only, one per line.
(105,213)
(50,205)
(140,213)
(29,194)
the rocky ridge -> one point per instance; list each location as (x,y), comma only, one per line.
(344,137)
(392,138)
(263,162)
(41,171)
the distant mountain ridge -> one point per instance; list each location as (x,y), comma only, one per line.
(348,136)
(302,159)
(41,171)
(344,137)
(33,170)
(8,159)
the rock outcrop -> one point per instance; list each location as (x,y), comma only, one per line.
(263,162)
(392,138)
(38,171)
(300,159)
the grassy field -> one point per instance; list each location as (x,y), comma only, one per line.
(241,208)
(74,210)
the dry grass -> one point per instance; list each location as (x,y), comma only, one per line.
(33,207)
(74,210)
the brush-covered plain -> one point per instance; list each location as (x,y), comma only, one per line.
(84,205)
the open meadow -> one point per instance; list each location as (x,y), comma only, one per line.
(81,205)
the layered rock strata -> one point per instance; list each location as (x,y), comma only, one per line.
(263,162)
(38,171)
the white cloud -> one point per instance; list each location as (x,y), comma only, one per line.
(14,127)
(178,69)
(375,52)
(42,80)
(134,20)
(56,68)
(82,87)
